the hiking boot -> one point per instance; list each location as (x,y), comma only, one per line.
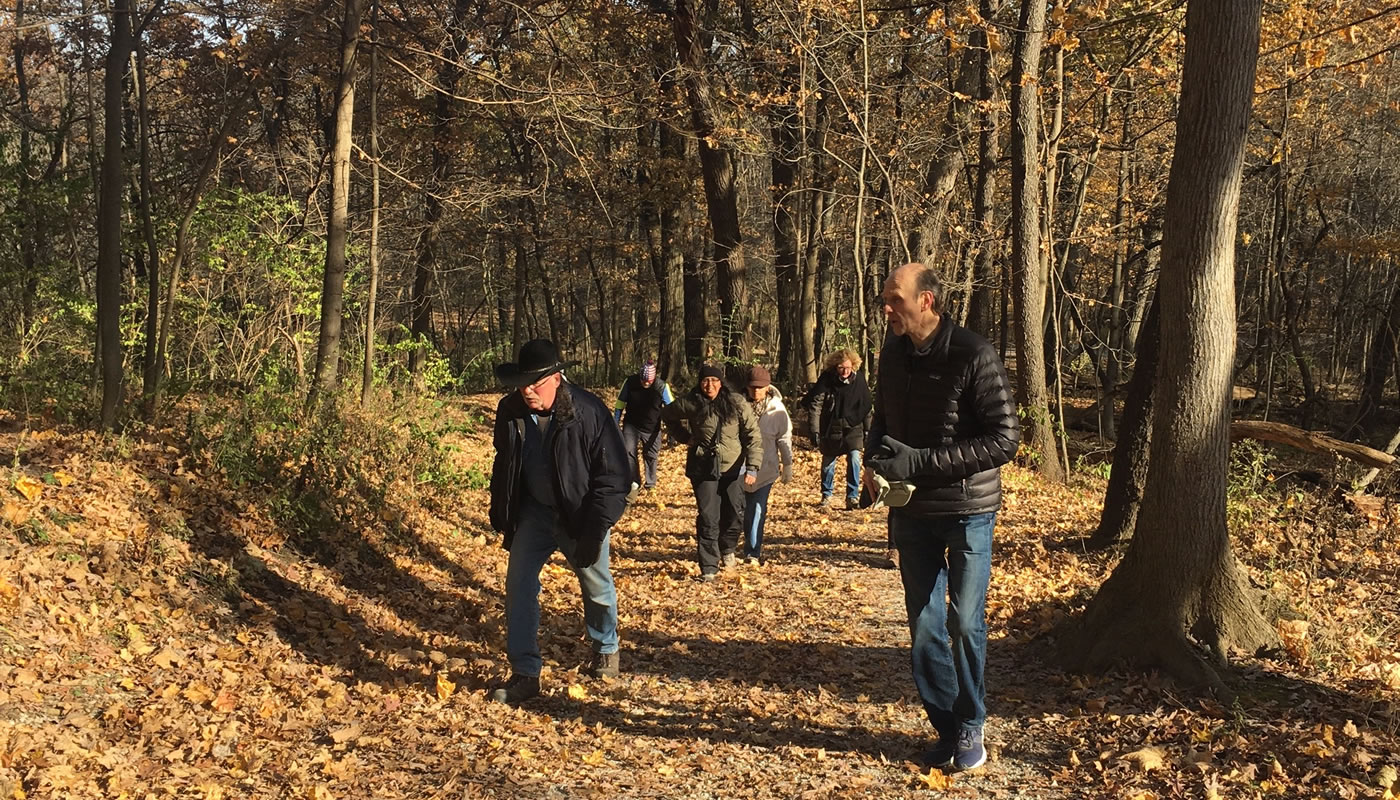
(727,560)
(751,561)
(707,577)
(891,559)
(605,665)
(826,502)
(971,751)
(941,755)
(852,503)
(517,690)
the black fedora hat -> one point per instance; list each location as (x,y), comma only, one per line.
(538,359)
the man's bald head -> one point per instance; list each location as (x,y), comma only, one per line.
(921,278)
(913,299)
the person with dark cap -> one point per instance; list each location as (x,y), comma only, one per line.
(638,413)
(725,455)
(559,482)
(775,426)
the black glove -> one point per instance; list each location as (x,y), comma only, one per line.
(586,550)
(894,460)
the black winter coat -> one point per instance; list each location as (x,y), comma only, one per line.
(955,400)
(836,412)
(591,474)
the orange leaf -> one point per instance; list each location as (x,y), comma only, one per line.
(937,780)
(444,687)
(30,488)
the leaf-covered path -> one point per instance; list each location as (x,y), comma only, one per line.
(164,636)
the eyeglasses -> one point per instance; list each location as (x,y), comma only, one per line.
(534,388)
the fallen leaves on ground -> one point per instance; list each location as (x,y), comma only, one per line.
(168,633)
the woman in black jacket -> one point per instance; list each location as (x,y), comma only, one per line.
(837,407)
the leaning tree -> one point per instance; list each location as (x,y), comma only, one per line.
(1179,578)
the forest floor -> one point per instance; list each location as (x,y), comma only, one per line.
(165,632)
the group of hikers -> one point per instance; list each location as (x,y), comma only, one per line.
(739,446)
(943,424)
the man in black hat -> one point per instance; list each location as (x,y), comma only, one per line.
(559,482)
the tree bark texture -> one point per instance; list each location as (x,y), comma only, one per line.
(109,216)
(1027,263)
(1179,575)
(717,167)
(333,283)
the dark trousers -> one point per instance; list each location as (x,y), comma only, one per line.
(651,448)
(718,523)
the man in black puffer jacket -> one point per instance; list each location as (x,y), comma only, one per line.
(945,422)
(559,482)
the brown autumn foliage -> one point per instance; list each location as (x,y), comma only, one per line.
(174,628)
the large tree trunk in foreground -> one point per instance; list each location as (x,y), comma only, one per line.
(1179,575)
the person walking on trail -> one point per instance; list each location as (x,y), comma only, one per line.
(775,427)
(837,406)
(558,482)
(725,455)
(944,422)
(638,413)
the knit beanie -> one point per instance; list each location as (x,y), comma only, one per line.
(648,373)
(710,371)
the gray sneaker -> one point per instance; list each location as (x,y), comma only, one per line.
(605,665)
(517,690)
(972,751)
(727,560)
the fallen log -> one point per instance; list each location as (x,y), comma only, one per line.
(1310,441)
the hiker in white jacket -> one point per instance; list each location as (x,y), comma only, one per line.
(776,428)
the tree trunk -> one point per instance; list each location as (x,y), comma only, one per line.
(333,284)
(946,164)
(1379,362)
(148,231)
(372,297)
(717,167)
(671,353)
(1130,455)
(783,123)
(425,264)
(109,216)
(29,234)
(696,326)
(1028,266)
(979,302)
(1179,576)
(816,275)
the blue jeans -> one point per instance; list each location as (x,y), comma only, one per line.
(539,535)
(946,566)
(651,448)
(755,514)
(852,475)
